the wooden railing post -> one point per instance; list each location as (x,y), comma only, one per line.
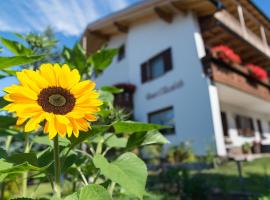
(264,39)
(242,20)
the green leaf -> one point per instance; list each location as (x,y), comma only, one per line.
(7,132)
(19,158)
(142,139)
(16,47)
(106,97)
(3,102)
(102,58)
(93,192)
(8,168)
(42,140)
(98,129)
(117,142)
(132,127)
(128,171)
(6,121)
(6,62)
(112,89)
(45,141)
(10,72)
(3,154)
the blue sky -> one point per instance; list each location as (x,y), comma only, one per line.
(67,17)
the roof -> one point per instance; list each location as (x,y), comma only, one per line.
(119,22)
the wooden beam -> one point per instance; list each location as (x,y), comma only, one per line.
(179,7)
(121,27)
(100,35)
(165,15)
(230,23)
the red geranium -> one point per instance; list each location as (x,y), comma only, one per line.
(226,53)
(257,71)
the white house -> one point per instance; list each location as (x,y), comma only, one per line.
(163,53)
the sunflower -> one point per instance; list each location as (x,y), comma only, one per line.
(53,94)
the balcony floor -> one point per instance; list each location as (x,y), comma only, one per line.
(241,99)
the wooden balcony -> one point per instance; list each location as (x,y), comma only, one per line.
(239,26)
(238,77)
(228,20)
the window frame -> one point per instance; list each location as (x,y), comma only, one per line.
(146,66)
(260,127)
(163,131)
(224,121)
(121,53)
(245,132)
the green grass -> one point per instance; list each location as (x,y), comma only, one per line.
(256,177)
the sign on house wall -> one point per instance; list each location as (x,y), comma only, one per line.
(165,89)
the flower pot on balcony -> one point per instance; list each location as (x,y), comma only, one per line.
(257,72)
(226,54)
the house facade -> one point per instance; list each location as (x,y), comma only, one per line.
(166,52)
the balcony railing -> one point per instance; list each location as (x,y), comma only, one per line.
(239,28)
(238,77)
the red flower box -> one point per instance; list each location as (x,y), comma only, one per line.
(257,72)
(226,54)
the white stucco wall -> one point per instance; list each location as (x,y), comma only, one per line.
(191,102)
(118,71)
(237,140)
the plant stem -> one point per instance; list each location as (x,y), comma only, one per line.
(57,167)
(111,188)
(25,174)
(83,177)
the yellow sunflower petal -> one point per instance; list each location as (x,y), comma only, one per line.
(21,90)
(20,121)
(74,77)
(37,79)
(83,124)
(27,82)
(82,87)
(61,129)
(51,127)
(64,78)
(69,130)
(46,127)
(17,98)
(62,119)
(75,127)
(46,71)
(33,123)
(90,117)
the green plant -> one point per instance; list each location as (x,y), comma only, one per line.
(181,153)
(246,147)
(98,164)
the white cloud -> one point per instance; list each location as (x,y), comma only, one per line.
(67,16)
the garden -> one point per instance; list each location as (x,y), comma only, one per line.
(63,139)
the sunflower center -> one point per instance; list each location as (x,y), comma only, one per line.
(56,100)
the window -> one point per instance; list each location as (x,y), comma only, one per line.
(121,53)
(244,126)
(224,124)
(259,124)
(156,66)
(163,117)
